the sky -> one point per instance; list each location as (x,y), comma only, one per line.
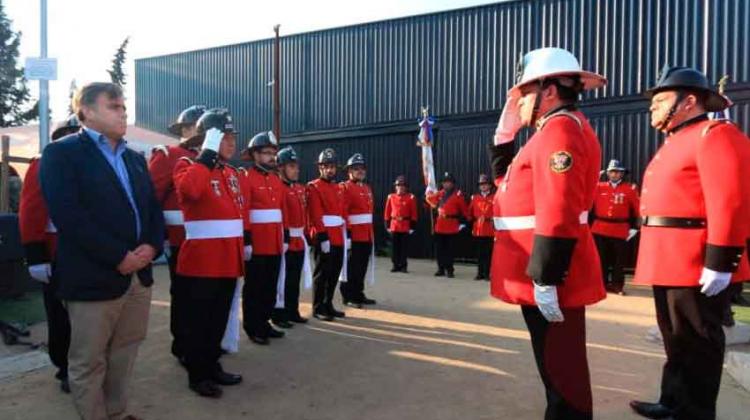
(84,34)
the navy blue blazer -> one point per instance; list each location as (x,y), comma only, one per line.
(94,219)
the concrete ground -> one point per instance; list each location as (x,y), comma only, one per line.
(432,348)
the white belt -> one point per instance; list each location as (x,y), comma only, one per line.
(51,228)
(332,221)
(213,229)
(526,222)
(360,219)
(173,218)
(266,216)
(297,232)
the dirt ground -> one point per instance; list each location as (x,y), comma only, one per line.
(432,348)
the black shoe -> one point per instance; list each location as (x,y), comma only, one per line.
(282,323)
(479,277)
(395,270)
(353,304)
(323,316)
(65,385)
(651,410)
(298,319)
(206,389)
(274,333)
(439,273)
(404,270)
(335,313)
(262,341)
(368,301)
(450,275)
(227,379)
(740,300)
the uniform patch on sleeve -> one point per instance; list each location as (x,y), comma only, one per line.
(560,162)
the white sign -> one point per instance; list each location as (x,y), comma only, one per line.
(40,68)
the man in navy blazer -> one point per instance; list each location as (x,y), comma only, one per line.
(110,227)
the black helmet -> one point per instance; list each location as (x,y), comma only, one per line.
(261,140)
(679,78)
(327,156)
(216,118)
(69,126)
(400,180)
(484,179)
(286,155)
(356,159)
(447,177)
(188,116)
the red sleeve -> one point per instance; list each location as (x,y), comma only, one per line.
(463,207)
(432,199)
(315,211)
(160,167)
(387,211)
(413,208)
(33,216)
(470,210)
(191,180)
(635,203)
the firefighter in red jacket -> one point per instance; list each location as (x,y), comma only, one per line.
(360,234)
(480,215)
(161,167)
(296,258)
(400,221)
(544,257)
(269,240)
(451,212)
(695,202)
(39,238)
(615,215)
(211,257)
(326,219)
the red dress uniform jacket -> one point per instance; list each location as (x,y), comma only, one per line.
(296,214)
(266,202)
(38,234)
(480,213)
(161,167)
(214,207)
(616,209)
(540,209)
(325,201)
(400,212)
(358,202)
(700,172)
(450,210)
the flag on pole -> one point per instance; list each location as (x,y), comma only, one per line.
(424,141)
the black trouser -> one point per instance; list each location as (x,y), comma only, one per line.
(259,293)
(612,257)
(353,290)
(294,261)
(560,353)
(400,250)
(176,309)
(325,277)
(444,249)
(484,251)
(690,325)
(58,329)
(210,300)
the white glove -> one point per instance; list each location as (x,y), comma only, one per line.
(510,122)
(285,248)
(713,281)
(411,231)
(212,140)
(167,250)
(461,227)
(429,190)
(325,246)
(248,252)
(546,300)
(348,244)
(40,272)
(631,234)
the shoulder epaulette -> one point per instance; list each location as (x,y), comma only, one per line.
(187,159)
(161,148)
(715,123)
(562,113)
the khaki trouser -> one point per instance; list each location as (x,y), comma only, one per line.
(105,336)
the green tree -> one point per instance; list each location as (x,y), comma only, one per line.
(117,73)
(14,94)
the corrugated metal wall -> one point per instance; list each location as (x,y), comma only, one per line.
(360,88)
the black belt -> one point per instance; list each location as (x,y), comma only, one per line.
(674,222)
(612,219)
